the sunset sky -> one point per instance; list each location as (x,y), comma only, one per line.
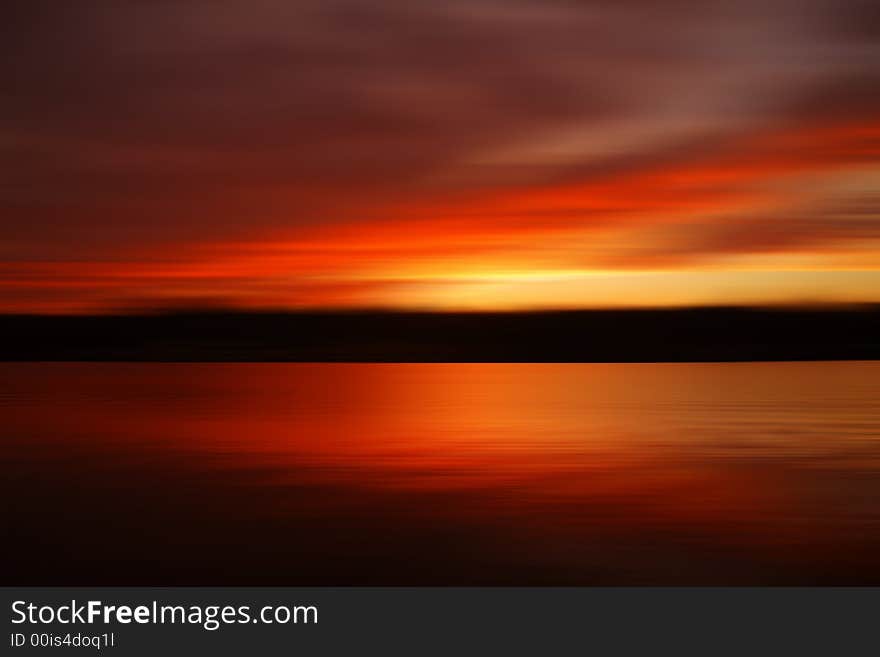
(463,154)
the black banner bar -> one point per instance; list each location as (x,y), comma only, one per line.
(416,621)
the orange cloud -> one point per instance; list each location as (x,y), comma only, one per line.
(428,250)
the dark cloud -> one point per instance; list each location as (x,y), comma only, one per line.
(852,221)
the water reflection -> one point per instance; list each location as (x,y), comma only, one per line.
(442,473)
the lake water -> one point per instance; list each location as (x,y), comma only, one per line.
(335,474)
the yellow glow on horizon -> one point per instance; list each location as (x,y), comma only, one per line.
(629,289)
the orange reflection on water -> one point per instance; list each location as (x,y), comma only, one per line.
(472,473)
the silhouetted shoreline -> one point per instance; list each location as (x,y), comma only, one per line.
(691,334)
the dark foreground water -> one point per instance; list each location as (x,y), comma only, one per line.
(334,474)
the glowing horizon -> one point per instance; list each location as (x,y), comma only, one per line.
(276,155)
